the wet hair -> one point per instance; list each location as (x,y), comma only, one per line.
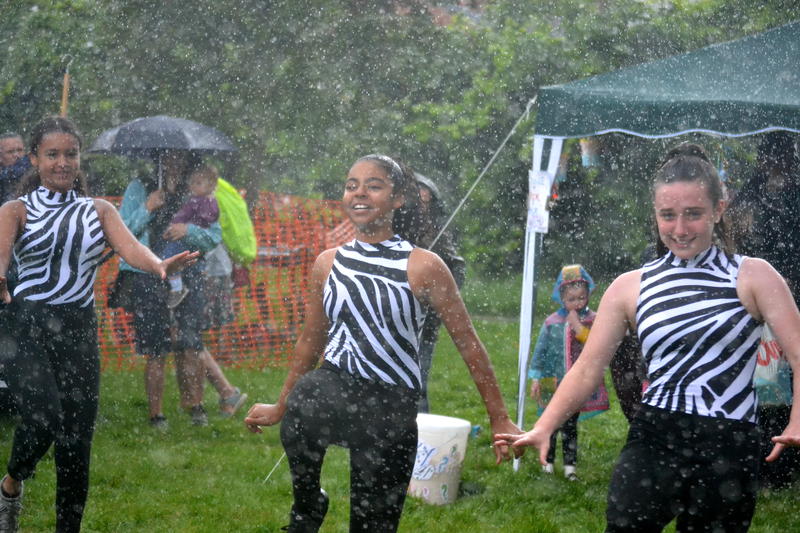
(390,166)
(31,180)
(409,221)
(688,162)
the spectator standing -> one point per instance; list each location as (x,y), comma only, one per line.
(558,347)
(432,207)
(147,210)
(765,215)
(13,164)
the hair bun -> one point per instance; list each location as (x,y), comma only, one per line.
(686,149)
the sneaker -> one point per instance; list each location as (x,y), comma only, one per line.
(569,473)
(176,297)
(159,422)
(9,512)
(199,416)
(547,468)
(228,406)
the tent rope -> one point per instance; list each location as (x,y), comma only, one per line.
(522,117)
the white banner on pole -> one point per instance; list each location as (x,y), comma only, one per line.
(538,193)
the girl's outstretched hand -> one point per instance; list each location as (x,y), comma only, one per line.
(262,414)
(178,262)
(790,437)
(502,451)
(535,438)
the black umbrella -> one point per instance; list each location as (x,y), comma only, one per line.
(151,136)
(146,136)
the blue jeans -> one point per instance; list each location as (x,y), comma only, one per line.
(173,248)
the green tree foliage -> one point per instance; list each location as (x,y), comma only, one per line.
(304,87)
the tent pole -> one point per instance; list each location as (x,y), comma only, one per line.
(540,183)
(533,242)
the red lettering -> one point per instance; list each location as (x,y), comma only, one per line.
(767,351)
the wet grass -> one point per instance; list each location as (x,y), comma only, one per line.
(212,479)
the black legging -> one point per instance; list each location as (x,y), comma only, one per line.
(702,470)
(54,372)
(375,421)
(569,442)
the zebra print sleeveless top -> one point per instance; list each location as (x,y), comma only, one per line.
(698,339)
(58,251)
(375,318)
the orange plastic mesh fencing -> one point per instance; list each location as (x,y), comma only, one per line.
(291,232)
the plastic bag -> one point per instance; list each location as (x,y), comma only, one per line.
(772,378)
(217,262)
(237,228)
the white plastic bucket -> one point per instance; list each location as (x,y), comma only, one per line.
(441,446)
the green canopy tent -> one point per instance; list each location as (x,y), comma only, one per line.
(738,88)
(735,88)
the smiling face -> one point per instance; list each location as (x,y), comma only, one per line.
(685,216)
(369,201)
(58,159)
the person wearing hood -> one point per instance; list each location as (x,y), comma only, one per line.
(559,344)
(431,202)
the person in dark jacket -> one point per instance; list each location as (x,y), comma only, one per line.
(764,217)
(431,202)
(13,164)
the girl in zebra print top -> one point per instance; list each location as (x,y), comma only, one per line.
(364,314)
(57,234)
(692,450)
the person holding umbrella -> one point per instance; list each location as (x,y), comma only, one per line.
(147,210)
(57,234)
(148,206)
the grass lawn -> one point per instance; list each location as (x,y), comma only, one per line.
(213,478)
